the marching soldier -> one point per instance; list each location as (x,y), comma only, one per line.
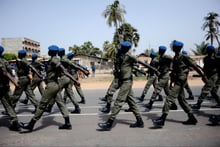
(123,72)
(37,81)
(65,83)
(23,72)
(53,70)
(6,76)
(152,77)
(163,79)
(181,64)
(210,69)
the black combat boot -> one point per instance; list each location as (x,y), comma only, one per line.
(141,99)
(107,125)
(82,101)
(15,126)
(67,124)
(191,120)
(28,126)
(103,98)
(173,106)
(35,109)
(197,105)
(160,98)
(77,110)
(149,105)
(106,109)
(159,122)
(191,97)
(128,110)
(214,119)
(24,101)
(138,124)
(48,108)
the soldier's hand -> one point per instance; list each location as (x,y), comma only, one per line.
(205,79)
(157,73)
(77,83)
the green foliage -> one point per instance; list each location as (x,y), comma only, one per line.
(9,56)
(109,50)
(211,26)
(86,49)
(200,48)
(126,33)
(114,14)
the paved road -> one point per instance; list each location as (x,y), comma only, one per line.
(86,133)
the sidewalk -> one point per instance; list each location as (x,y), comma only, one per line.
(103,81)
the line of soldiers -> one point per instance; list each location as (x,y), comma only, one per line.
(61,73)
(163,70)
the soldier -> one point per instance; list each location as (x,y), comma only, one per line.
(210,69)
(5,88)
(163,79)
(74,72)
(114,86)
(37,81)
(181,64)
(53,70)
(123,72)
(23,72)
(152,77)
(65,83)
(187,87)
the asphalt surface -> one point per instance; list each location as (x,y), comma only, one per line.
(85,131)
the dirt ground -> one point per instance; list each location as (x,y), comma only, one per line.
(103,81)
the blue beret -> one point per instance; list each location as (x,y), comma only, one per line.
(153,54)
(162,48)
(61,49)
(34,55)
(70,54)
(125,45)
(177,44)
(184,52)
(211,48)
(1,49)
(53,48)
(22,52)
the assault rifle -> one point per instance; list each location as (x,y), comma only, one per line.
(63,70)
(81,68)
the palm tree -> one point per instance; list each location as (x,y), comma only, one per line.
(114,14)
(200,49)
(126,33)
(211,24)
(109,50)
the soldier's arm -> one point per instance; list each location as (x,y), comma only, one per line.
(85,71)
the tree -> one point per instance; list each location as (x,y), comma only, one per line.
(86,49)
(200,49)
(114,14)
(211,24)
(126,33)
(109,50)
(9,56)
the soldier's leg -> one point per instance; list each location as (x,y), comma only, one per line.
(205,91)
(81,94)
(64,112)
(30,95)
(4,96)
(109,96)
(70,94)
(51,91)
(189,91)
(157,90)
(134,108)
(185,106)
(119,102)
(150,82)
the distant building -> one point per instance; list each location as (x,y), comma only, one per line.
(12,45)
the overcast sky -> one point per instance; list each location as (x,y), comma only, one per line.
(68,22)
